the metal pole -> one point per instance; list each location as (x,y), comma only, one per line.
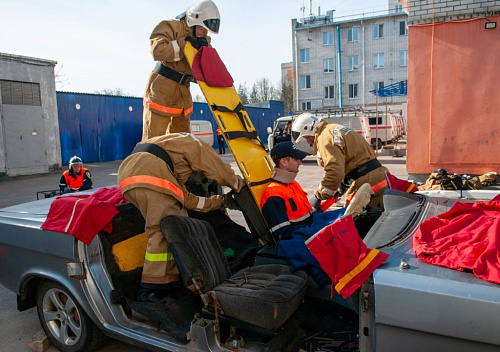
(386,120)
(376,119)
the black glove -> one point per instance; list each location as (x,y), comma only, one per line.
(316,204)
(229,202)
(197,43)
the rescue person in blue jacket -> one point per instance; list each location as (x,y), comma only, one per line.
(284,203)
(167,100)
(76,178)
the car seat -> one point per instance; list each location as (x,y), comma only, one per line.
(264,296)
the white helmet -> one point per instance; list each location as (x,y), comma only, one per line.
(303,126)
(75,160)
(204,14)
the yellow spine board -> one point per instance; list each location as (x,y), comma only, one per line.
(250,155)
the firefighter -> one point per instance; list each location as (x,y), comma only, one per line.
(76,178)
(167,100)
(152,178)
(346,157)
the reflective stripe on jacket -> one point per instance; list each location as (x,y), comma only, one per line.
(285,208)
(151,180)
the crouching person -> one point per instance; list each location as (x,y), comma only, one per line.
(152,178)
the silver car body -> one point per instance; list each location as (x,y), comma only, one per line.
(414,307)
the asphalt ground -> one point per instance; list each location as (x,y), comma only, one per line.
(17,328)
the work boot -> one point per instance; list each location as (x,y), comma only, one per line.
(361,199)
(153,295)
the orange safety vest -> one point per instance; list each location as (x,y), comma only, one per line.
(72,182)
(219,132)
(286,192)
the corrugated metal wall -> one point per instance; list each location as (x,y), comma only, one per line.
(102,128)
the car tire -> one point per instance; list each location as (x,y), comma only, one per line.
(65,323)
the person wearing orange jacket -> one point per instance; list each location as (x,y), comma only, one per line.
(76,178)
(284,203)
(168,104)
(152,178)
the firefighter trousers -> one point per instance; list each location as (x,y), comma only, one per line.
(159,264)
(155,124)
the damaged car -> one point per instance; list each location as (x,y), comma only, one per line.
(237,294)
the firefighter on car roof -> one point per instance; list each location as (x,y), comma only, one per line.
(167,100)
(76,178)
(346,157)
(152,178)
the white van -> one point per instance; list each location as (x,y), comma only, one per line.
(203,130)
(278,132)
(384,131)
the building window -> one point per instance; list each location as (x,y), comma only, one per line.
(352,35)
(328,65)
(329,92)
(378,85)
(403,28)
(306,82)
(403,58)
(305,56)
(378,31)
(306,106)
(353,91)
(399,8)
(378,60)
(352,63)
(328,38)
(20,93)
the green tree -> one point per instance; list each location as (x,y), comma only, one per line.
(243,93)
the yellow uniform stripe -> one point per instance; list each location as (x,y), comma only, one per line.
(359,268)
(159,257)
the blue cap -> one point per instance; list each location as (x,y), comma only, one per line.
(284,149)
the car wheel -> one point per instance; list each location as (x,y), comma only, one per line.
(64,321)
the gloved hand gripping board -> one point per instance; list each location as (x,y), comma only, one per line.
(248,151)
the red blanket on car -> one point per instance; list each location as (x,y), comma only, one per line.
(467,237)
(83,216)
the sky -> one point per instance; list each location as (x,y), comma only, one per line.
(104,44)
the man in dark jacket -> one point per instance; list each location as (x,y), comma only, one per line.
(76,178)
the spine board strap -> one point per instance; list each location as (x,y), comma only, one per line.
(236,110)
(156,151)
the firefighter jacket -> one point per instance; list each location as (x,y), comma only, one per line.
(76,182)
(163,95)
(339,150)
(285,208)
(188,154)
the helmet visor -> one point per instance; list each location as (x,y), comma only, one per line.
(212,24)
(295,135)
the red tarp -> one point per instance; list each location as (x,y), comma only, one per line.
(343,255)
(467,237)
(83,216)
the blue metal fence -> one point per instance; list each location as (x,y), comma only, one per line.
(102,128)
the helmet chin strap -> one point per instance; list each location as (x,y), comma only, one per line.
(194,31)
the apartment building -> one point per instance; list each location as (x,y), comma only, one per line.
(338,61)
